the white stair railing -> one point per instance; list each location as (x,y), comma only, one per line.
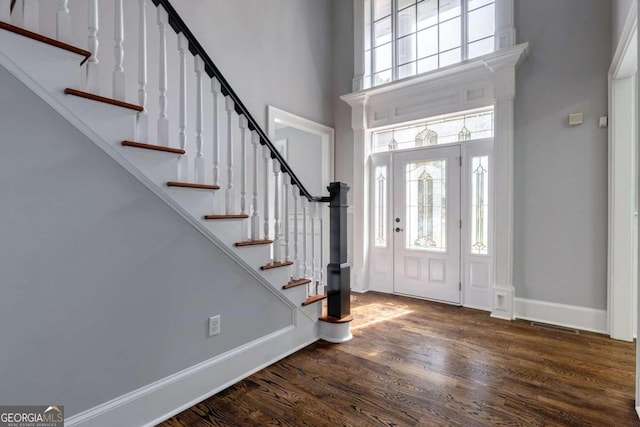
(118,51)
(183,165)
(215,123)
(93,81)
(142,121)
(31,15)
(297,223)
(63,22)
(163,118)
(277,245)
(255,216)
(199,160)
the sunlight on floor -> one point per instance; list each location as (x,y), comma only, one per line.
(371,314)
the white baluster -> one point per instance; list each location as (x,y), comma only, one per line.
(93,81)
(312,213)
(321,266)
(163,118)
(31,14)
(285,217)
(296,257)
(266,155)
(229,194)
(199,161)
(5,11)
(215,91)
(277,246)
(244,123)
(118,51)
(255,217)
(303,265)
(63,22)
(183,161)
(142,125)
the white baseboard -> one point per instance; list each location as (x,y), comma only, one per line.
(165,398)
(570,316)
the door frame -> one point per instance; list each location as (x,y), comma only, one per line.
(621,304)
(393,213)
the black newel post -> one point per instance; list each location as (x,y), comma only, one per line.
(338,270)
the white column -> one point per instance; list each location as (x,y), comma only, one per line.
(266,155)
(93,81)
(321,267)
(304,264)
(183,161)
(63,22)
(199,160)
(142,122)
(505,27)
(314,278)
(285,217)
(296,256)
(5,11)
(255,217)
(118,51)
(163,120)
(229,193)
(215,91)
(244,123)
(504,77)
(277,246)
(31,14)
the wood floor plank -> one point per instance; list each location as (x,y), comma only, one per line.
(418,363)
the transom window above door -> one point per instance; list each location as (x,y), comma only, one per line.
(408,37)
(465,127)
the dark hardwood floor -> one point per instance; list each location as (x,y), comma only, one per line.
(418,363)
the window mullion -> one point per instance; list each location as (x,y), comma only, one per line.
(394,39)
(464,30)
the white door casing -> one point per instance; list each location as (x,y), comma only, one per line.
(470,85)
(427,222)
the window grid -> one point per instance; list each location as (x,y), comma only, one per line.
(421,37)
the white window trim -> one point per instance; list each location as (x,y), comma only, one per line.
(471,84)
(505,36)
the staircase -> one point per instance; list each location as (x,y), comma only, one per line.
(198,147)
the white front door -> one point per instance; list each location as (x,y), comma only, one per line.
(426,223)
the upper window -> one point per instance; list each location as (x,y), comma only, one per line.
(408,37)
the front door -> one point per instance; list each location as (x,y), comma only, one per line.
(426,223)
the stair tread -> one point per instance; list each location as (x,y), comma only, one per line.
(46,40)
(232,216)
(294,283)
(153,147)
(103,99)
(192,185)
(330,319)
(313,299)
(254,243)
(276,265)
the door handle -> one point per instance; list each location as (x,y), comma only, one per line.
(398,229)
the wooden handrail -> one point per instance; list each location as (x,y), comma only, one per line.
(196,48)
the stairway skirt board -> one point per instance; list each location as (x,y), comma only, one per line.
(48,69)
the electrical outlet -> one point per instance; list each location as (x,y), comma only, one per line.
(214,325)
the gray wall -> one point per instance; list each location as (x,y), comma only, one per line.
(304,155)
(560,171)
(343,65)
(104,287)
(275,52)
(619,14)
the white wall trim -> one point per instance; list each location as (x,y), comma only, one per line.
(156,402)
(570,316)
(626,38)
